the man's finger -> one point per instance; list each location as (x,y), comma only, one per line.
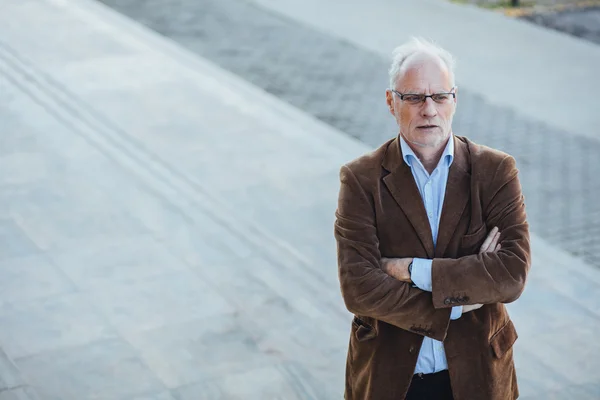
(494,244)
(488,240)
(497,248)
(492,247)
(471,307)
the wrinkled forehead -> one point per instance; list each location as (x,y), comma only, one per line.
(424,73)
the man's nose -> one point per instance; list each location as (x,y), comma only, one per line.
(428,109)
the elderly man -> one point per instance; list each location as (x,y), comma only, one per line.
(432,241)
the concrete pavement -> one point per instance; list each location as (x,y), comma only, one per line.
(583,22)
(509,62)
(341,82)
(167,230)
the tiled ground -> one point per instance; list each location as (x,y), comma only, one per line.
(344,85)
(146,257)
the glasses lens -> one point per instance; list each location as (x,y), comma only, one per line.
(414,98)
(441,97)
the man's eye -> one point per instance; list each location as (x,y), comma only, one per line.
(440,97)
(413,98)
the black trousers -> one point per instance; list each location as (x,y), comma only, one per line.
(430,387)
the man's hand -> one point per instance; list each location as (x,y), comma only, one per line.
(491,242)
(471,307)
(397,268)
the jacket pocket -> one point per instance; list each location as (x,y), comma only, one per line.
(504,339)
(363,330)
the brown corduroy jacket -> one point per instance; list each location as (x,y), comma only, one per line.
(380,214)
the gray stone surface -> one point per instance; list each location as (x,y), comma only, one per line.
(21,393)
(180,266)
(512,69)
(586,391)
(29,278)
(580,22)
(9,374)
(532,381)
(203,349)
(284,381)
(154,396)
(14,242)
(155,302)
(30,327)
(109,369)
(128,260)
(343,85)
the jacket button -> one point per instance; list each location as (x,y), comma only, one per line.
(412,350)
(447,301)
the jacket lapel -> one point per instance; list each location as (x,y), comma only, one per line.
(457,195)
(401,184)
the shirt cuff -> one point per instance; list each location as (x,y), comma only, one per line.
(456,312)
(421,273)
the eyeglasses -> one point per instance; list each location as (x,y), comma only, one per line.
(413,98)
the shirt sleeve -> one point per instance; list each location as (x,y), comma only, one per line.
(456,312)
(421,273)
(421,277)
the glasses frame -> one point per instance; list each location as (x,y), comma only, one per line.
(425,96)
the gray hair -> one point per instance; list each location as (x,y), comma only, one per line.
(418,46)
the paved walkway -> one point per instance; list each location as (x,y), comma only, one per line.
(581,22)
(166,230)
(495,53)
(319,57)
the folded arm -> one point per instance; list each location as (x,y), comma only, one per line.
(421,276)
(366,289)
(421,271)
(490,277)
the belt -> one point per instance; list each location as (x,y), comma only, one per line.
(421,375)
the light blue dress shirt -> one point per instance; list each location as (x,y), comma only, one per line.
(432,357)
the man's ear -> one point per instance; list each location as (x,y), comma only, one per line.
(389,98)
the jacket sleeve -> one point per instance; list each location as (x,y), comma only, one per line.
(366,289)
(490,277)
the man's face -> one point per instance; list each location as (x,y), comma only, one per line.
(428,123)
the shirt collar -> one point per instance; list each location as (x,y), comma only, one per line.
(409,155)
